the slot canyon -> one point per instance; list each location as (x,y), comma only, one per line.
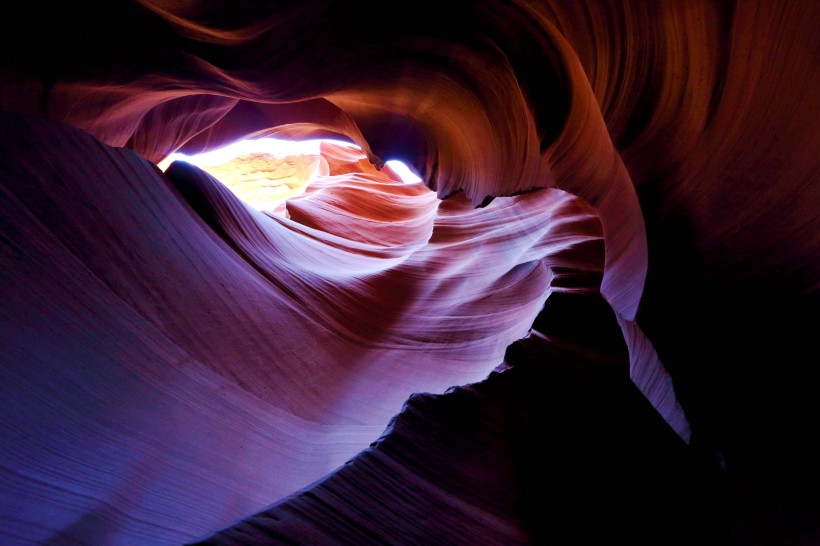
(593,320)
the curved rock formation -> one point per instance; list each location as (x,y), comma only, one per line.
(557,447)
(174,360)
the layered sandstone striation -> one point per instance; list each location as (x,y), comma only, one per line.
(174,360)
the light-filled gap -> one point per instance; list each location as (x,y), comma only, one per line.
(266,172)
(404,172)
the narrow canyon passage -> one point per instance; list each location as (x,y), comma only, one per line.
(174,361)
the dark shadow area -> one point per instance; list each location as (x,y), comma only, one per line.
(742,348)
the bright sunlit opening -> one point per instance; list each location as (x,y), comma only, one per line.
(265,172)
(407,176)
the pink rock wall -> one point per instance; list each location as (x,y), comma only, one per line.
(173,360)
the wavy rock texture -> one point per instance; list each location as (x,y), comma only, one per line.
(559,447)
(174,360)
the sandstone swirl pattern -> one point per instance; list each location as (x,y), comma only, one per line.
(174,360)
